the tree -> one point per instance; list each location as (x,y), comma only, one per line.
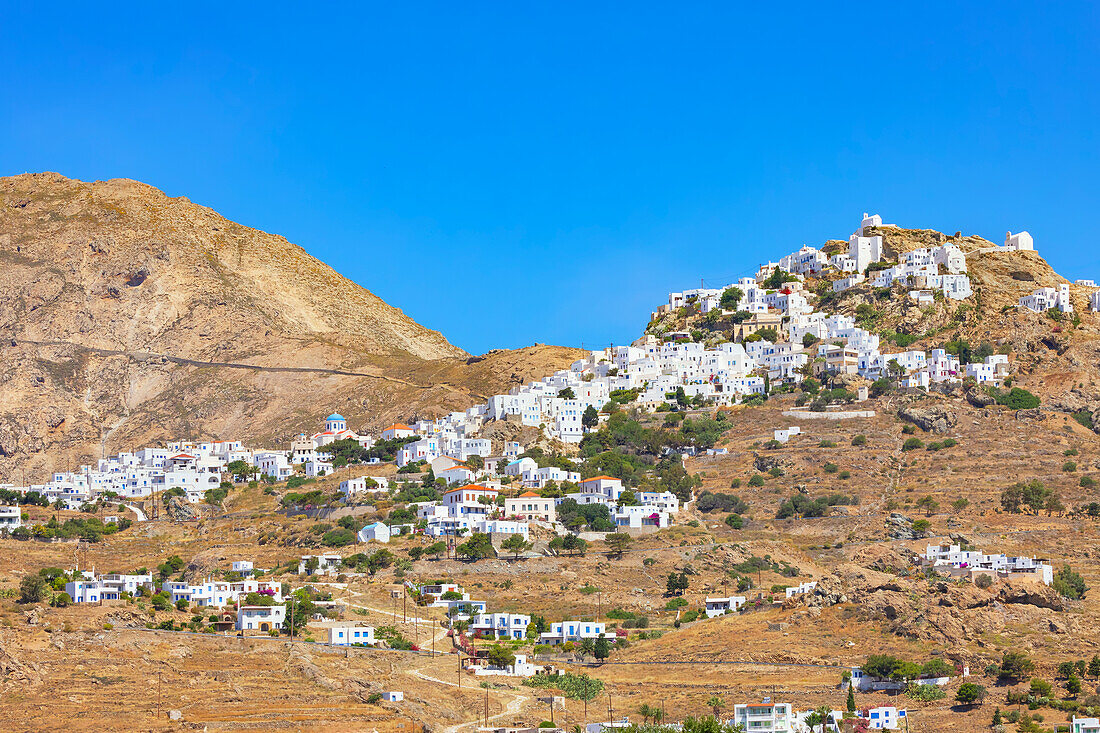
(574,545)
(929,505)
(33,589)
(602,648)
(567,394)
(821,717)
(970,693)
(1073,685)
(516,544)
(1094,666)
(851,703)
(617,543)
(436,549)
(646,711)
(676,584)
(500,656)
(590,418)
(730,298)
(478,547)
(716,703)
(1015,665)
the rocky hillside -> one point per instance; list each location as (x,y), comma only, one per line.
(129,317)
(1056,359)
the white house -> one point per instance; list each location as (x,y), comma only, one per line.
(784,435)
(1044,299)
(243,567)
(350,635)
(564,631)
(499,625)
(883,717)
(1094,301)
(260,618)
(10,517)
(397,430)
(456,474)
(722,606)
(530,505)
(801,588)
(378,532)
(1085,725)
(365,485)
(393,695)
(326,564)
(766,716)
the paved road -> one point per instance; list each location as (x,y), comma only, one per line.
(137,510)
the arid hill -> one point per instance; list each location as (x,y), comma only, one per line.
(129,317)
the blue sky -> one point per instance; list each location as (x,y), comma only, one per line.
(513,173)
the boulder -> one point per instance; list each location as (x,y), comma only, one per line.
(980,399)
(931,419)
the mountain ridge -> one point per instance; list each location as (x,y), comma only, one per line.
(133,317)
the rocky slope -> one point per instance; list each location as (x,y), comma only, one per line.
(130,317)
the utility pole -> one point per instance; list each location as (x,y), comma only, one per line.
(487,705)
(610,710)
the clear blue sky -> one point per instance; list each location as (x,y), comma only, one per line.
(516,172)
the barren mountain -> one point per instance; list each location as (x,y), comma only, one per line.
(128,317)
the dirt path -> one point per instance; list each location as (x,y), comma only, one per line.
(153,356)
(512,708)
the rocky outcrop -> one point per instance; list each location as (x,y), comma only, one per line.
(934,419)
(980,399)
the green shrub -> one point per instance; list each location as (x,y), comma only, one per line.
(756,480)
(909,429)
(859,440)
(1017,398)
(912,444)
(831,468)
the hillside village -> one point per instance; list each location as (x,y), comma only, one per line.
(736,402)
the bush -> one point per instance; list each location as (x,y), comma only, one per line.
(845,475)
(1069,467)
(969,693)
(338,537)
(983,581)
(756,480)
(33,589)
(859,440)
(1069,584)
(925,693)
(735,521)
(909,430)
(711,502)
(826,444)
(912,444)
(1017,399)
(831,468)
(1087,482)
